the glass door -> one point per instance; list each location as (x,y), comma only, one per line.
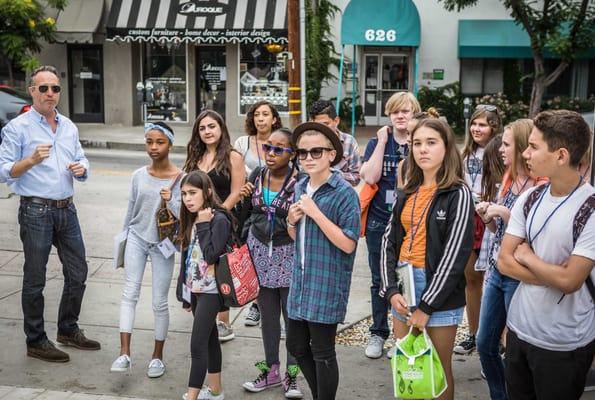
(85,65)
(385,74)
(211,78)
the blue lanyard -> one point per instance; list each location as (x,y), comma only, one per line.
(531,240)
(421,218)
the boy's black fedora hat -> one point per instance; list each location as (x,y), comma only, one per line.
(326,131)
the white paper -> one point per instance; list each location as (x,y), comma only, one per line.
(186,293)
(390,197)
(405,271)
(119,248)
(167,248)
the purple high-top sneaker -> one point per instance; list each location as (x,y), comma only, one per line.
(269,377)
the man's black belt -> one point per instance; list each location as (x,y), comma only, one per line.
(48,202)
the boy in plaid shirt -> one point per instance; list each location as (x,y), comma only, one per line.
(325,224)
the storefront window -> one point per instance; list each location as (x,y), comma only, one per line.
(263,76)
(165,68)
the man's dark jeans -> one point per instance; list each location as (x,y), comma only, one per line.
(42,226)
(374,232)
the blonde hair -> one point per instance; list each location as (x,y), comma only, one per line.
(401,100)
(450,172)
(494,121)
(521,129)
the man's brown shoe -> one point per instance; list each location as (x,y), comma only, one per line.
(79,341)
(46,351)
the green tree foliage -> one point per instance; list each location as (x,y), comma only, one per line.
(23,26)
(565,28)
(320,50)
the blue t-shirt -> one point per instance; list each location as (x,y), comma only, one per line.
(381,206)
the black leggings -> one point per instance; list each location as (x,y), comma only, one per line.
(205,349)
(313,345)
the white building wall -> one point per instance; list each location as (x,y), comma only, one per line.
(439,38)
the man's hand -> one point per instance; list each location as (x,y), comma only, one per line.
(41,153)
(206,215)
(247,190)
(295,214)
(523,253)
(382,134)
(77,169)
(307,205)
(418,320)
(165,193)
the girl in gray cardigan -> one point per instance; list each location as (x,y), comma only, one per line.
(150,185)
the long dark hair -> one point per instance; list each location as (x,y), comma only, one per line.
(450,172)
(493,169)
(251,127)
(197,148)
(199,180)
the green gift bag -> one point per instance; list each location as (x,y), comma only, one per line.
(416,367)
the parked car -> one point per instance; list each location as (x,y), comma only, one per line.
(12,103)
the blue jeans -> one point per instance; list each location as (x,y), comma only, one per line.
(497,293)
(452,317)
(42,226)
(374,232)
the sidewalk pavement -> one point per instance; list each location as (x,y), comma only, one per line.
(132,137)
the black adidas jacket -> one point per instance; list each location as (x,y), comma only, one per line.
(449,242)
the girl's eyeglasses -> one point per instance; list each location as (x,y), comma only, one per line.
(315,152)
(278,151)
(45,88)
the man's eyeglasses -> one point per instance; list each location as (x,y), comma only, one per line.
(44,88)
(278,151)
(487,107)
(315,152)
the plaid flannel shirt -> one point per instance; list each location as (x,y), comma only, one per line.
(350,164)
(319,291)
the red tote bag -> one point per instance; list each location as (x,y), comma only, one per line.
(236,277)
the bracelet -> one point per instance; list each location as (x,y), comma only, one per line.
(289,224)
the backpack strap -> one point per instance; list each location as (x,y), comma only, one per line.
(532,198)
(578,224)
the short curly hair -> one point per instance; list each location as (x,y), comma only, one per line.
(250,127)
(323,107)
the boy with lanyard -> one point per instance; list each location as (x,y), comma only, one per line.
(551,320)
(324,221)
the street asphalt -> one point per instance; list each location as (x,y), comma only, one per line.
(101,204)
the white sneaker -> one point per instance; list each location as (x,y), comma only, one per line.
(225,332)
(375,347)
(122,364)
(391,352)
(206,394)
(156,368)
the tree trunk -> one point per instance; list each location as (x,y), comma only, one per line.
(10,73)
(539,85)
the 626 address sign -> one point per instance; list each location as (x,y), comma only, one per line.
(380,35)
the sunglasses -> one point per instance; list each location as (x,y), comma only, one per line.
(487,107)
(278,151)
(315,152)
(44,88)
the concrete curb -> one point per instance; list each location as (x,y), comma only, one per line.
(100,144)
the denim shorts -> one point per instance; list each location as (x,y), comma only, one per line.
(438,318)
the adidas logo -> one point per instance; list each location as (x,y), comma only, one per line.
(441,215)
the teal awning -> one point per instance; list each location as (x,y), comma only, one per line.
(482,38)
(381,23)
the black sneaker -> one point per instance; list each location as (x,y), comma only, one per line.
(465,346)
(253,317)
(46,351)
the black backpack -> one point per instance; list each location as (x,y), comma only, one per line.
(578,223)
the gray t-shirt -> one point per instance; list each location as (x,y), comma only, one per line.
(144,202)
(536,313)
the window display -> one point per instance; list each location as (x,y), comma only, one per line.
(263,76)
(165,68)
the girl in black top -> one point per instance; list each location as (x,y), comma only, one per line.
(210,150)
(205,228)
